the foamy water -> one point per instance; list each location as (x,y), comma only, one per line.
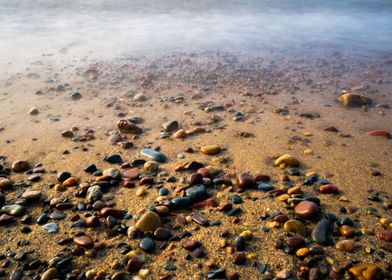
(66,30)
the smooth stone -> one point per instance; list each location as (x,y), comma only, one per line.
(329,189)
(43,218)
(181,201)
(5,183)
(217,274)
(162,234)
(6,219)
(170,126)
(347,245)
(380,133)
(287,160)
(75,96)
(210,150)
(306,209)
(295,242)
(51,228)
(354,100)
(20,166)
(239,258)
(13,209)
(295,226)
(239,243)
(57,215)
(195,179)
(50,274)
(84,241)
(163,192)
(320,233)
(90,168)
(265,187)
(245,180)
(236,199)
(132,173)
(365,271)
(154,155)
(62,176)
(233,212)
(196,193)
(116,158)
(147,244)
(199,219)
(32,194)
(94,193)
(34,178)
(149,222)
(16,274)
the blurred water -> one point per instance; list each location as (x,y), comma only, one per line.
(106,29)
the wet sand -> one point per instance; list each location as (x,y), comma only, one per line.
(281,102)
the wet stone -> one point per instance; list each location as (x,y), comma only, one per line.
(162,234)
(239,243)
(154,155)
(62,176)
(347,245)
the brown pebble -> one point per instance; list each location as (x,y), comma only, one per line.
(84,241)
(306,209)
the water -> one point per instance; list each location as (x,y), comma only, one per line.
(66,30)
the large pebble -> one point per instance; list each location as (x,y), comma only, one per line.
(210,150)
(306,209)
(347,245)
(149,222)
(32,194)
(84,241)
(93,194)
(13,209)
(245,180)
(320,233)
(196,193)
(20,166)
(295,226)
(147,244)
(287,161)
(154,155)
(365,271)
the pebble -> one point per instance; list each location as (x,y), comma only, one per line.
(20,166)
(94,193)
(50,274)
(347,245)
(365,271)
(32,194)
(51,228)
(147,244)
(13,209)
(320,233)
(239,243)
(170,126)
(380,133)
(33,112)
(127,127)
(62,176)
(84,241)
(115,158)
(329,189)
(132,173)
(149,222)
(210,150)
(286,160)
(196,193)
(245,180)
(306,209)
(5,183)
(354,100)
(162,234)
(154,155)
